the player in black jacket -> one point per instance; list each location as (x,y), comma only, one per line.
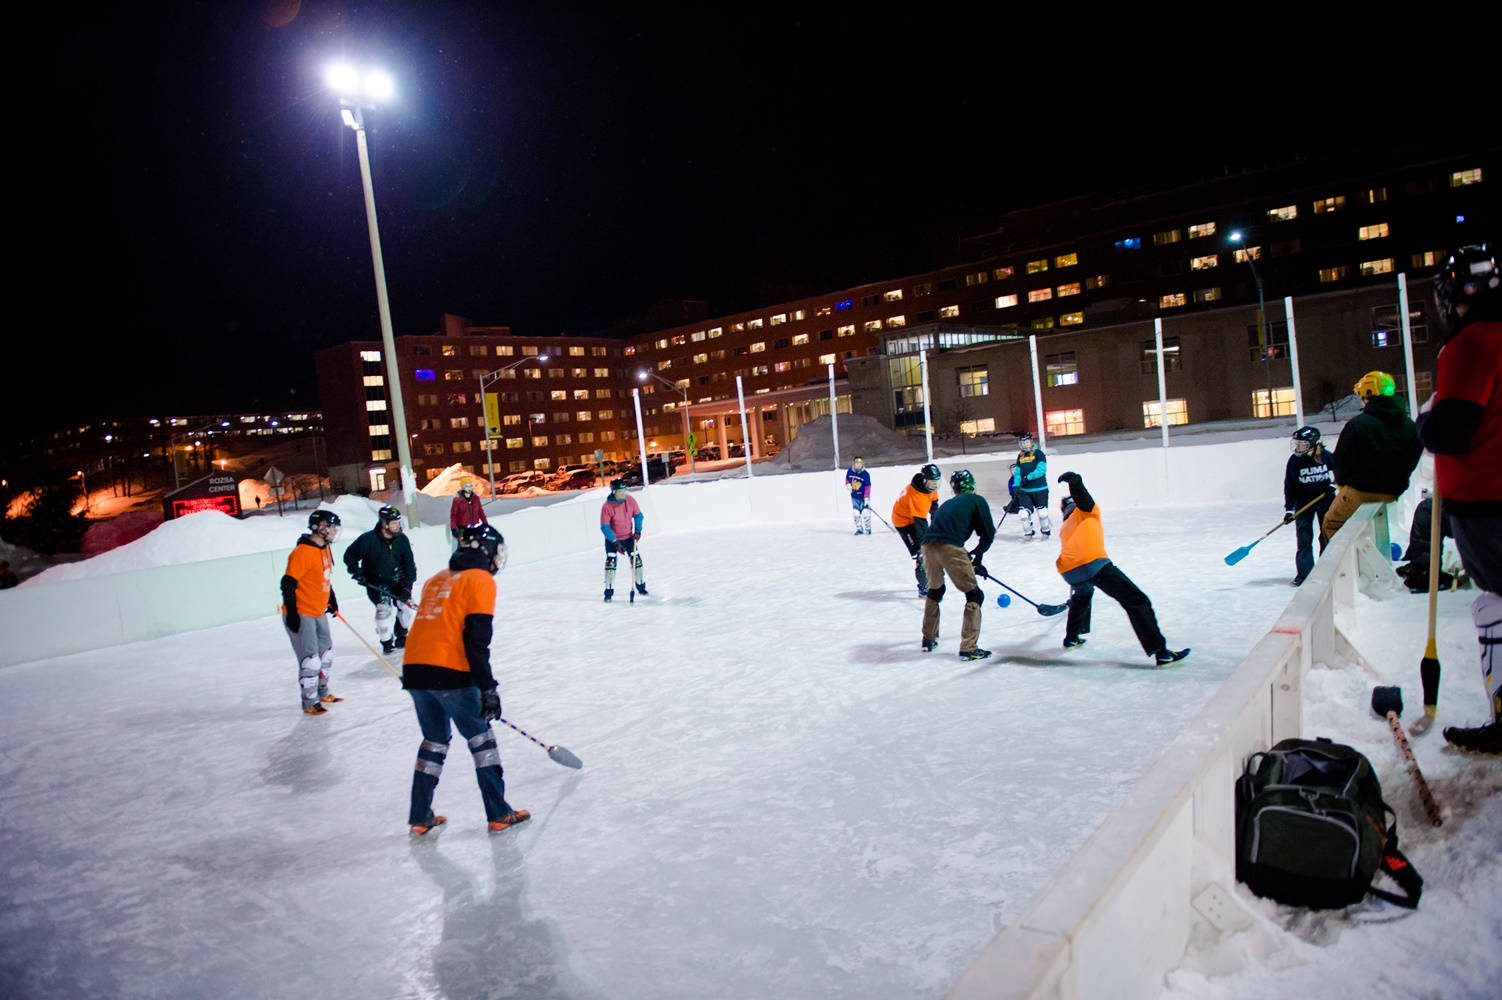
(381,561)
(1307,478)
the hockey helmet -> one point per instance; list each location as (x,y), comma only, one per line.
(962,481)
(319,518)
(931,471)
(487,540)
(617,484)
(1467,286)
(1025,441)
(389,513)
(1304,439)
(1375,384)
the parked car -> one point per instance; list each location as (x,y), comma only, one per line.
(518,481)
(737,450)
(710,454)
(655,469)
(582,480)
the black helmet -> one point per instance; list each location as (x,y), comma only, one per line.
(321,517)
(931,471)
(485,538)
(962,481)
(617,484)
(1468,279)
(389,513)
(1306,433)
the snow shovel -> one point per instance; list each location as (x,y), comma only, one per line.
(1388,701)
(1240,554)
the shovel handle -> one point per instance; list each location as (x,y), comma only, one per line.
(1431,808)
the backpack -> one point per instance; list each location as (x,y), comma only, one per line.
(1312,829)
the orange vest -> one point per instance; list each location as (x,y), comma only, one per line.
(1082,539)
(448,598)
(312,566)
(913,503)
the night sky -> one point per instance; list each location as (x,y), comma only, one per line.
(193,226)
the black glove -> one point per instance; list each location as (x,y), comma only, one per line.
(333,604)
(359,579)
(1070,477)
(636,535)
(1012,507)
(1287,516)
(454,532)
(490,704)
(293,620)
(404,594)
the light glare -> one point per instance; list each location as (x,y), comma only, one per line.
(342,79)
(379,86)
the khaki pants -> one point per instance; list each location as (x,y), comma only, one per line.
(1346,501)
(940,558)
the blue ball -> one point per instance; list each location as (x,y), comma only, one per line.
(1003,600)
(1397,551)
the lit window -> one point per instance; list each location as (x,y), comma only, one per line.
(754,324)
(1149,358)
(1003,301)
(1062,369)
(978,278)
(872,325)
(372,405)
(1099,281)
(1372,196)
(1372,232)
(974,381)
(1172,299)
(1329,274)
(582,415)
(847,331)
(1204,263)
(1169,236)
(716,331)
(827,359)
(1037,266)
(782,366)
(1332,204)
(680,340)
(758,347)
(505,350)
(381,379)
(453,375)
(893,295)
(1282,403)
(1073,288)
(1383,266)
(1072,319)
(950,312)
(1241,255)
(1001,273)
(800,339)
(1061,423)
(1066,260)
(1130,243)
(779,318)
(380,430)
(1207,294)
(380,455)
(370,355)
(1042,323)
(1152,412)
(457,423)
(985,425)
(515,442)
(1040,295)
(800,314)
(758,369)
(896,321)
(449,350)
(1286,213)
(1462,178)
(1201,229)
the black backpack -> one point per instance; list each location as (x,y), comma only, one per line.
(1312,829)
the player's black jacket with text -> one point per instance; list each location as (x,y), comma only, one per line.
(1308,477)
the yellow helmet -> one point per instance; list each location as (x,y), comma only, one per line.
(1375,384)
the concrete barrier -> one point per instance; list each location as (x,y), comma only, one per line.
(1117,917)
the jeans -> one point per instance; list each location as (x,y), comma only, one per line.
(435,709)
(1303,559)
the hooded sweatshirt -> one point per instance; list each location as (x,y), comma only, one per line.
(1378,448)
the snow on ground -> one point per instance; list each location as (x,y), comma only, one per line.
(781,796)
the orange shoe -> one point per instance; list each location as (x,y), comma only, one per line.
(330,699)
(511,819)
(419,831)
(315,709)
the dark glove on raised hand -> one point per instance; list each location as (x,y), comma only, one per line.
(490,704)
(293,620)
(636,535)
(1070,477)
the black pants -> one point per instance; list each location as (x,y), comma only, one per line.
(1303,527)
(1114,584)
(913,539)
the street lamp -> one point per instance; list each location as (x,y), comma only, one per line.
(357,91)
(490,378)
(1262,341)
(642,376)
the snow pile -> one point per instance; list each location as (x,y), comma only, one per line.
(446,483)
(812,446)
(114,532)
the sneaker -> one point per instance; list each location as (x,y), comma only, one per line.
(388,646)
(1297,581)
(512,818)
(1028,534)
(929,644)
(641,588)
(330,699)
(1071,642)
(421,831)
(315,709)
(1482,739)
(1166,656)
(1047,533)
(975,654)
(859,532)
(401,642)
(868,529)
(608,595)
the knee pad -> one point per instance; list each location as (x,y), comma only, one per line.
(384,611)
(430,758)
(483,749)
(610,562)
(936,594)
(976,596)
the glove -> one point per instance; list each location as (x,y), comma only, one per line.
(404,594)
(1012,507)
(293,620)
(454,532)
(636,536)
(1070,477)
(333,604)
(1287,516)
(490,705)
(359,579)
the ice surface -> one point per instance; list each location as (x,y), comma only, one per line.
(781,796)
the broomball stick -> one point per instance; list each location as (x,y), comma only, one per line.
(1388,701)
